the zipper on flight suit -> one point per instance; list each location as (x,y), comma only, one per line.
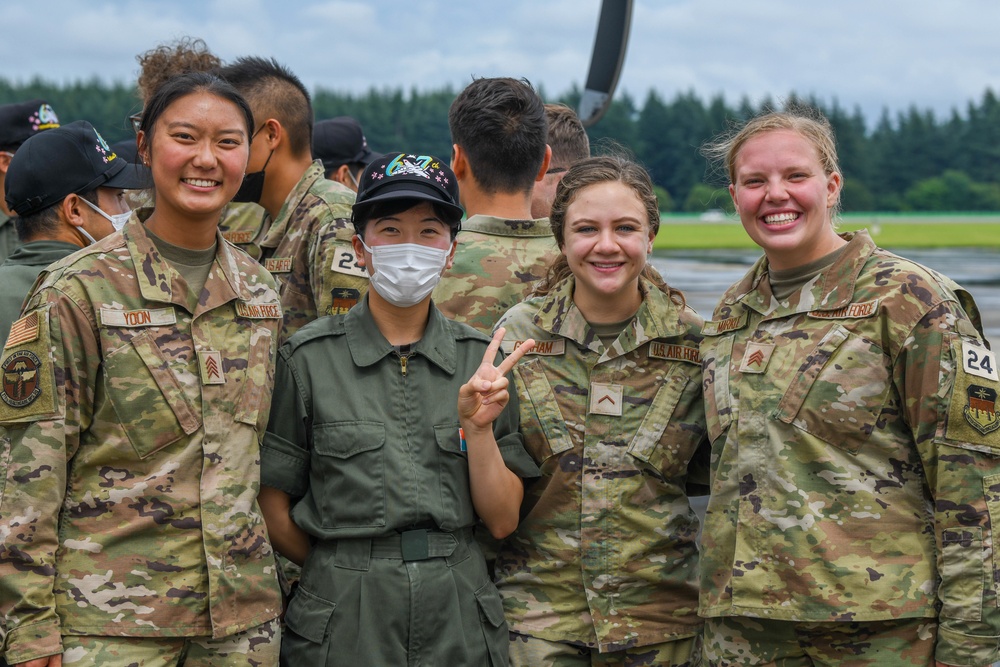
(404,353)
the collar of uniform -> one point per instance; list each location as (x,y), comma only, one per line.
(279,226)
(658,316)
(158,281)
(833,289)
(488,224)
(368,345)
(40,253)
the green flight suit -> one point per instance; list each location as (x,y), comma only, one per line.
(19,271)
(368,446)
(8,236)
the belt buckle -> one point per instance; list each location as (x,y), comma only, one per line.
(413,544)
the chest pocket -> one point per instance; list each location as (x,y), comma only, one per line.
(668,456)
(147,397)
(544,418)
(348,473)
(716,355)
(838,392)
(255,399)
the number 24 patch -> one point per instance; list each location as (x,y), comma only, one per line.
(977,360)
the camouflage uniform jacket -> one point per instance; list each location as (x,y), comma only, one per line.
(496,266)
(291,248)
(242,224)
(605,553)
(131,434)
(855,453)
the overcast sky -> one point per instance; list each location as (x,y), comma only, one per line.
(936,55)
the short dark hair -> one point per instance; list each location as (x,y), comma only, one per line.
(274,92)
(45,223)
(394,206)
(500,124)
(566,136)
(188,84)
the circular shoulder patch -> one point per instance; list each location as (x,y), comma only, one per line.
(20,379)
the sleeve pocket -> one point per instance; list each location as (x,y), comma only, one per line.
(309,616)
(961,591)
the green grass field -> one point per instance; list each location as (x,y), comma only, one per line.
(889,230)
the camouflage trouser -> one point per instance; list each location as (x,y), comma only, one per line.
(528,651)
(256,647)
(736,640)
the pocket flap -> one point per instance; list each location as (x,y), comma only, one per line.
(490,605)
(345,439)
(448,438)
(308,616)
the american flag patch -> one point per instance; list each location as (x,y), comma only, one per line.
(24,330)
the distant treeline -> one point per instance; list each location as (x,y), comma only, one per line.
(908,161)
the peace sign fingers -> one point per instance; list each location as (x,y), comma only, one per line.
(511,360)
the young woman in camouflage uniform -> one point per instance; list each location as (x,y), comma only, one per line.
(601,570)
(136,388)
(851,403)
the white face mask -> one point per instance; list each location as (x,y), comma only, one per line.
(117,221)
(405,273)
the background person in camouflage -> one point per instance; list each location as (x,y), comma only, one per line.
(68,189)
(391,432)
(306,239)
(851,404)
(135,392)
(18,122)
(602,568)
(241,222)
(568,140)
(498,129)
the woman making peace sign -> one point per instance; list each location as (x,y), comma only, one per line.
(375,477)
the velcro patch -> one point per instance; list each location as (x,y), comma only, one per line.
(756,357)
(851,311)
(606,399)
(278,264)
(547,348)
(258,311)
(210,363)
(658,350)
(24,330)
(111,317)
(717,327)
(345,261)
(344,298)
(21,379)
(977,360)
(238,237)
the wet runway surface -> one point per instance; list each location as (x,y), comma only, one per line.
(703,275)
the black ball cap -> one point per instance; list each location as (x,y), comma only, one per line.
(338,141)
(72,159)
(22,120)
(404,176)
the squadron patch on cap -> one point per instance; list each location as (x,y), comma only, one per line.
(20,386)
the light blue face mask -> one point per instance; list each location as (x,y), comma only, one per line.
(117,221)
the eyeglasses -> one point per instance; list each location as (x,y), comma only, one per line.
(556,170)
(136,120)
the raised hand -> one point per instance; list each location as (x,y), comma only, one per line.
(484,396)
